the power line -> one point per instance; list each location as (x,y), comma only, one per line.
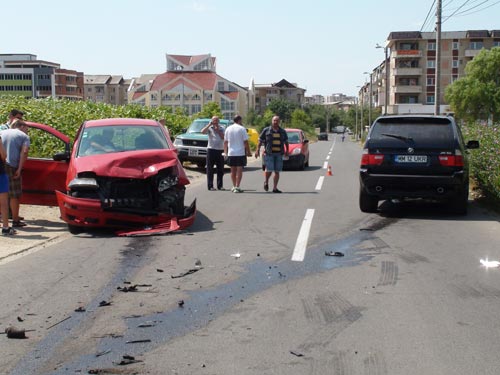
(428,13)
(460,7)
(466,12)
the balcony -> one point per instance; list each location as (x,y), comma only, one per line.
(472,52)
(407,53)
(407,89)
(407,71)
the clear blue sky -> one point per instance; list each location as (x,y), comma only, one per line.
(323,46)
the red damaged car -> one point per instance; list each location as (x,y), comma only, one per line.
(121,173)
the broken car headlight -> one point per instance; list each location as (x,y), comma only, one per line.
(79,183)
(167,183)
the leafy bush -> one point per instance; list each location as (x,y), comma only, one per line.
(485,161)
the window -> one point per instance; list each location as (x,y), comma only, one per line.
(408,99)
(408,45)
(431,46)
(195,108)
(220,86)
(408,81)
(454,77)
(455,45)
(403,63)
(454,64)
(154,96)
(476,44)
(226,105)
(430,99)
(202,66)
(196,97)
(431,80)
(496,43)
(431,63)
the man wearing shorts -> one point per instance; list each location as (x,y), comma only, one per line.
(275,141)
(237,149)
(16,143)
(4,194)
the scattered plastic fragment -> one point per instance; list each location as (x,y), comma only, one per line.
(19,319)
(489,263)
(296,353)
(104,303)
(236,255)
(80,309)
(15,333)
(188,272)
(137,341)
(125,289)
(181,303)
(159,270)
(334,254)
(103,353)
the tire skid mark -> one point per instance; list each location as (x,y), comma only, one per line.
(331,309)
(375,364)
(388,273)
(336,363)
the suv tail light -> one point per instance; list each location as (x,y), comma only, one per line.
(456,160)
(371,159)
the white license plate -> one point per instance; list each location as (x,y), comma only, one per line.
(411,159)
(193,152)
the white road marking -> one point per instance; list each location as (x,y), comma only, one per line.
(299,251)
(328,157)
(325,165)
(320,183)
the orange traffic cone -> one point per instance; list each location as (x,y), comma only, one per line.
(329,172)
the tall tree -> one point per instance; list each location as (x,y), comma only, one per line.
(477,95)
(283,108)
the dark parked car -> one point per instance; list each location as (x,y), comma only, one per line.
(121,173)
(323,136)
(411,156)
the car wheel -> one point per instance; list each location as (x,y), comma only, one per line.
(307,162)
(302,165)
(367,203)
(459,205)
(73,229)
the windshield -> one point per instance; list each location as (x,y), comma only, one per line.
(197,125)
(109,139)
(413,130)
(293,137)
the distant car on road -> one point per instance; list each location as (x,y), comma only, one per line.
(298,150)
(192,144)
(323,136)
(412,156)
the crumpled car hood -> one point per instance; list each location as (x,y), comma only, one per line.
(131,164)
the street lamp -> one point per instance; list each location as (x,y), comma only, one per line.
(386,65)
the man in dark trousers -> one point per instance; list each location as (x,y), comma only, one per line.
(214,153)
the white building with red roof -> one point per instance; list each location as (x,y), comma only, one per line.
(190,82)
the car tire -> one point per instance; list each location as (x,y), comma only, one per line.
(367,203)
(73,229)
(307,162)
(459,205)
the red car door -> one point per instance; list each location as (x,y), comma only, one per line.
(45,170)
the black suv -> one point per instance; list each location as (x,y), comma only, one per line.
(415,156)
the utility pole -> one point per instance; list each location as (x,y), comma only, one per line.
(437,93)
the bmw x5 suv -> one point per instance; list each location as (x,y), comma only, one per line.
(415,156)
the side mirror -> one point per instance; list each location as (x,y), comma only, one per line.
(306,140)
(184,130)
(61,156)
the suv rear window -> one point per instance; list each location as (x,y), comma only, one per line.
(420,130)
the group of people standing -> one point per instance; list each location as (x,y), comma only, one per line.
(232,143)
(14,147)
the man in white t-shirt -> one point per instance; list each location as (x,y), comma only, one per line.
(237,149)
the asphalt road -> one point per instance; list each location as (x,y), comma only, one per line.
(254,287)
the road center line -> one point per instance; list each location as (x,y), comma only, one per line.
(320,183)
(299,251)
(325,165)
(328,157)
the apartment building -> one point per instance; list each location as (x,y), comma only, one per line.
(262,94)
(190,82)
(25,75)
(412,69)
(111,89)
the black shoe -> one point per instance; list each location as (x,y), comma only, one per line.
(276,191)
(221,188)
(211,189)
(266,186)
(8,231)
